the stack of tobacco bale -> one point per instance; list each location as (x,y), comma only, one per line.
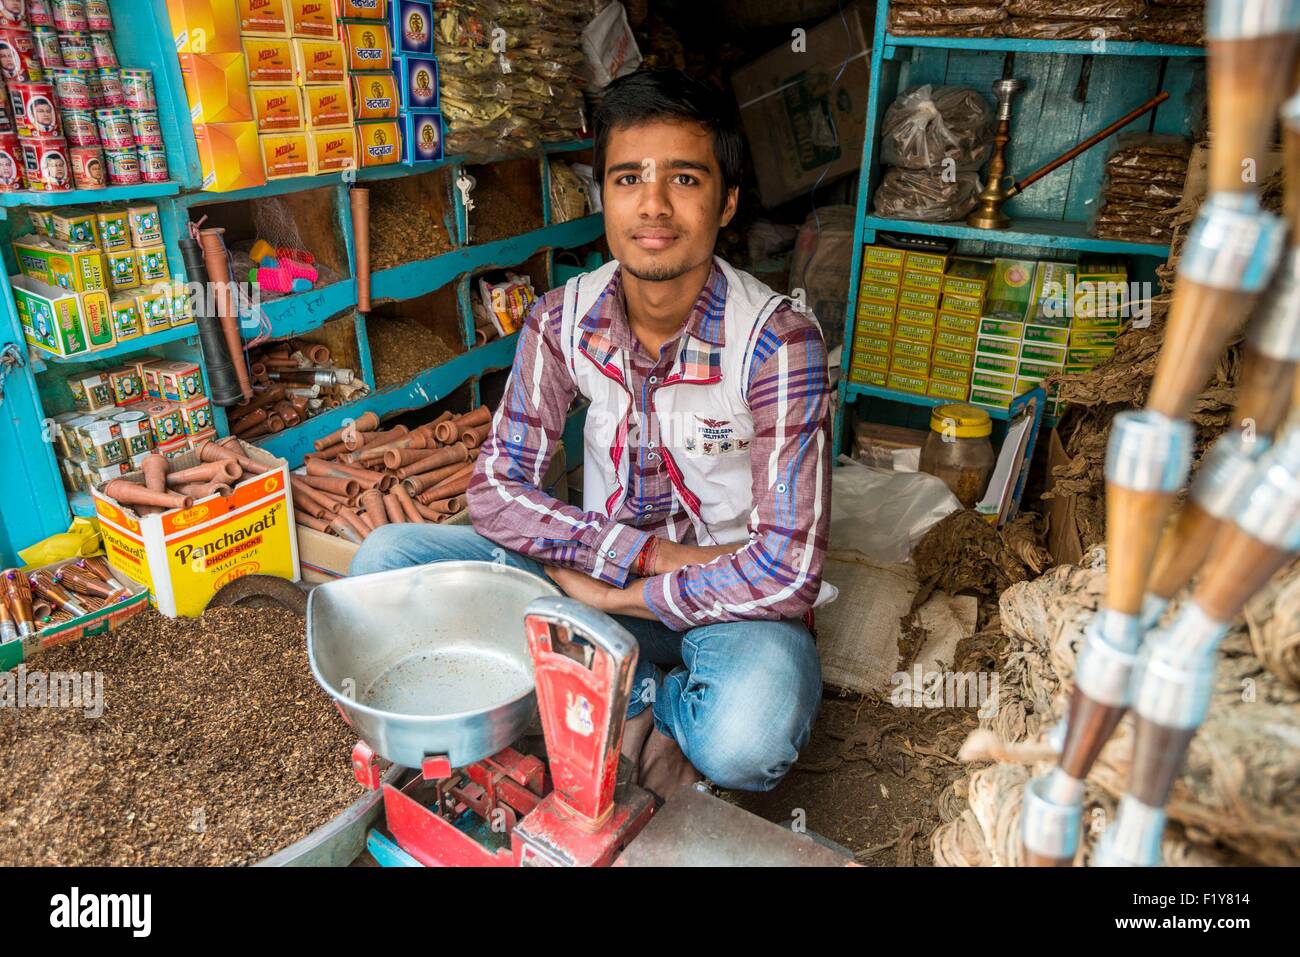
(1073,19)
(361,477)
(1144,185)
(292,381)
(1177,22)
(968,18)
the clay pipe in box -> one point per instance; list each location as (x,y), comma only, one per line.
(78,579)
(129,493)
(1176,675)
(222,471)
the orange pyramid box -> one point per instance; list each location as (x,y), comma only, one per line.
(230,156)
(216,86)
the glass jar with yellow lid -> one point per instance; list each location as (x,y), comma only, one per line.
(958,450)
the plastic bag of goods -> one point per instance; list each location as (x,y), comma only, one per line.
(929,124)
(925,195)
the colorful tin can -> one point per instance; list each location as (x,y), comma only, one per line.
(151,264)
(87,167)
(123,166)
(144,225)
(18,59)
(69,15)
(12,14)
(153,164)
(137,90)
(77,49)
(102,46)
(127,386)
(145,128)
(6,123)
(110,88)
(35,113)
(45,164)
(114,128)
(39,15)
(46,43)
(126,318)
(98,16)
(137,432)
(11,163)
(71,88)
(79,128)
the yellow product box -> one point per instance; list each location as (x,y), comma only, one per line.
(112,228)
(216,87)
(863,343)
(940,389)
(870,360)
(909,366)
(269,60)
(230,156)
(277,109)
(953,358)
(881,311)
(312,18)
(319,62)
(926,262)
(180,313)
(968,277)
(363,9)
(285,155)
(877,377)
(1050,355)
(375,96)
(1088,357)
(874,327)
(911,349)
(991,345)
(883,274)
(941,373)
(1046,335)
(878,292)
(919,299)
(126,318)
(990,398)
(379,144)
(907,330)
(1093,338)
(184,556)
(122,271)
(368,46)
(76,226)
(154,310)
(999,365)
(963,305)
(59,321)
(900,382)
(263,18)
(926,281)
(151,264)
(77,267)
(328,107)
(204,26)
(332,151)
(993,381)
(958,323)
(916,316)
(884,256)
(954,340)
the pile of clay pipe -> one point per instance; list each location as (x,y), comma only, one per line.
(292,381)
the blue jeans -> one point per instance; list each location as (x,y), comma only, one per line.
(738,697)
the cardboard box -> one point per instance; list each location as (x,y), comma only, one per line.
(421,137)
(942,373)
(1002,329)
(413,26)
(151,264)
(916,316)
(203,26)
(940,389)
(874,327)
(804,108)
(332,151)
(954,340)
(926,262)
(367,47)
(907,330)
(867,343)
(952,358)
(915,385)
(998,365)
(269,60)
(914,349)
(122,271)
(154,309)
(285,155)
(919,299)
(183,556)
(1046,335)
(884,256)
(75,226)
(76,267)
(263,18)
(880,311)
(968,277)
(870,360)
(327,107)
(888,275)
(53,319)
(278,109)
(1088,357)
(990,398)
(178,380)
(1093,338)
(363,9)
(926,281)
(909,366)
(1053,301)
(958,323)
(111,226)
(991,345)
(230,156)
(319,62)
(379,143)
(972,306)
(1046,354)
(881,292)
(376,96)
(417,81)
(979,379)
(125,318)
(312,18)
(873,377)
(216,87)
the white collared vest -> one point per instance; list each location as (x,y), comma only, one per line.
(703,423)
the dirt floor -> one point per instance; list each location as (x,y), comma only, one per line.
(871,778)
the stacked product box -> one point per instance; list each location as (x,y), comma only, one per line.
(93,277)
(965,285)
(1001,331)
(417,79)
(880,280)
(916,322)
(367,36)
(79,120)
(122,414)
(1100,307)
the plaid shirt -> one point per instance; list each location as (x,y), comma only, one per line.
(789,398)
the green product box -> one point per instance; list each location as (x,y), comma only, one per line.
(910,366)
(952,376)
(73,266)
(870,360)
(967,324)
(953,358)
(75,225)
(947,390)
(999,365)
(913,350)
(881,274)
(1053,294)
(926,281)
(51,317)
(907,330)
(993,346)
(1076,368)
(878,292)
(870,343)
(884,256)
(1092,339)
(1088,357)
(1113,324)
(1013,282)
(963,305)
(991,380)
(1004,310)
(880,311)
(987,397)
(1047,335)
(899,382)
(1002,329)
(122,271)
(111,222)
(955,340)
(917,317)
(926,262)
(876,377)
(968,277)
(1036,371)
(1046,354)
(919,299)
(874,327)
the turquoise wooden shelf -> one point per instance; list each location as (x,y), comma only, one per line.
(174,334)
(1125,48)
(1041,233)
(855,389)
(302,312)
(75,197)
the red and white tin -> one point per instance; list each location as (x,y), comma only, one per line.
(137,90)
(102,45)
(38,13)
(11,164)
(77,50)
(80,128)
(35,112)
(115,129)
(71,88)
(110,87)
(45,164)
(69,15)
(88,167)
(13,13)
(48,53)
(145,128)
(153,164)
(18,59)
(123,166)
(98,16)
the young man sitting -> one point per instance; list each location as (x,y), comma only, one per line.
(706,475)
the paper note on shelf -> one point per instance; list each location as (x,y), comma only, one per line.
(997,497)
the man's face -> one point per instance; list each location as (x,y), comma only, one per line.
(663,198)
(14,9)
(43,114)
(56,169)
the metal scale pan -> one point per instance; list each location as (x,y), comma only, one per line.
(429,660)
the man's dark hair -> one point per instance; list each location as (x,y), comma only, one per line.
(649,95)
